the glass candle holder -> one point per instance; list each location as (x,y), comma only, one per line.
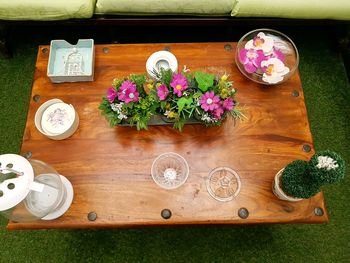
(32,190)
(170,170)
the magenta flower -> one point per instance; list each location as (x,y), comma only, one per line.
(111,94)
(162,92)
(179,84)
(228,104)
(251,59)
(217,113)
(276,54)
(127,92)
(209,101)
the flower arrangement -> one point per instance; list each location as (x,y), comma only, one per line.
(304,179)
(178,97)
(263,55)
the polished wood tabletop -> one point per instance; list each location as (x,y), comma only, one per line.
(110,167)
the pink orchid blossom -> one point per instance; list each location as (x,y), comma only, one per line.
(179,84)
(251,59)
(276,54)
(162,92)
(209,101)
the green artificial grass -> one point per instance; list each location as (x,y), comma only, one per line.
(327,94)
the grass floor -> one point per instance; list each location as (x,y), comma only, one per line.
(327,94)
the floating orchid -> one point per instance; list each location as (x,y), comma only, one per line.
(274,70)
(260,42)
(251,59)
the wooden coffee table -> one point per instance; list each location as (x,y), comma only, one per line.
(110,168)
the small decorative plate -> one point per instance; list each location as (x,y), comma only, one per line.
(223,184)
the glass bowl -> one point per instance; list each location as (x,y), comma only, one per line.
(169,170)
(266,56)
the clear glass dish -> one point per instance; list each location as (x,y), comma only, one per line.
(266,56)
(169,170)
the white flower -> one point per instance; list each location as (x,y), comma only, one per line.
(274,70)
(117,107)
(260,42)
(206,118)
(326,162)
(185,69)
(122,116)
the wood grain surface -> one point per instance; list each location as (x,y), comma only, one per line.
(110,168)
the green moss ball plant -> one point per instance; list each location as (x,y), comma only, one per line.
(303,179)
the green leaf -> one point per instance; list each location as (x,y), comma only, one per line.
(197,95)
(204,80)
(181,103)
(166,75)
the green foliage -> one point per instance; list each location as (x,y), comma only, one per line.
(204,80)
(165,76)
(139,80)
(184,101)
(324,175)
(297,182)
(302,179)
(109,114)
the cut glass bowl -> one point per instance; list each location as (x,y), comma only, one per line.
(169,170)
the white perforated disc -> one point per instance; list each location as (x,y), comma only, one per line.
(13,191)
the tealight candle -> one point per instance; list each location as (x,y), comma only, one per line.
(159,60)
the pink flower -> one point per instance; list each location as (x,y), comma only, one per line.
(217,113)
(276,54)
(228,104)
(209,101)
(127,92)
(111,94)
(162,92)
(179,84)
(251,59)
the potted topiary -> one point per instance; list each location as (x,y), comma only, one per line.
(303,179)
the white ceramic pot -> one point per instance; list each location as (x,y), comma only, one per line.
(160,59)
(277,190)
(56,119)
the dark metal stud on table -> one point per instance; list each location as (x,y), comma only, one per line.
(306,148)
(27,154)
(92,216)
(36,98)
(166,213)
(45,50)
(295,93)
(243,213)
(318,211)
(228,47)
(105,50)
